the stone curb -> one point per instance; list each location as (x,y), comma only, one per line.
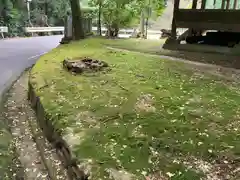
(53,136)
(41,147)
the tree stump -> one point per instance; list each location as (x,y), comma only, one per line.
(84,65)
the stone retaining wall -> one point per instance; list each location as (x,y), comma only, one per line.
(54,137)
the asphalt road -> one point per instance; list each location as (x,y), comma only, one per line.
(18,54)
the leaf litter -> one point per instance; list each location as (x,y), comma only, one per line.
(22,121)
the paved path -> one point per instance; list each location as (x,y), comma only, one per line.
(18,54)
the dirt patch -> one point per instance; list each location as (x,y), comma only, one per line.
(84,65)
(119,175)
(222,60)
(157,176)
(227,75)
(87,118)
(84,120)
(145,103)
(73,138)
(137,132)
(87,166)
(222,66)
(234,125)
(222,169)
(215,128)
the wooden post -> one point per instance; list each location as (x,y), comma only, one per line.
(235,4)
(223,4)
(203,5)
(194,6)
(200,31)
(228,4)
(214,3)
(174,27)
(142,23)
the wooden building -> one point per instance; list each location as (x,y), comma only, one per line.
(221,15)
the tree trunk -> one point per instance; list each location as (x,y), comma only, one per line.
(77,22)
(116,30)
(112,31)
(142,24)
(109,32)
(99,18)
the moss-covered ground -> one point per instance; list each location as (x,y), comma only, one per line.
(147,116)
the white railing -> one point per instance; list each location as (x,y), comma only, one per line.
(3,29)
(124,32)
(152,34)
(44,29)
(127,31)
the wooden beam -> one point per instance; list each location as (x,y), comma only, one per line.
(218,11)
(235,4)
(209,19)
(212,15)
(174,27)
(209,26)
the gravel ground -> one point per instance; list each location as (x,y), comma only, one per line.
(38,159)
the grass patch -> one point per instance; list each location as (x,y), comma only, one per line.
(145,116)
(140,45)
(7,156)
(155,47)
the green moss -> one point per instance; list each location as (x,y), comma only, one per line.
(192,115)
(6,153)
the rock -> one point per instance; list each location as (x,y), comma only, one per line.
(236,49)
(65,40)
(140,35)
(86,165)
(84,65)
(136,34)
(165,33)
